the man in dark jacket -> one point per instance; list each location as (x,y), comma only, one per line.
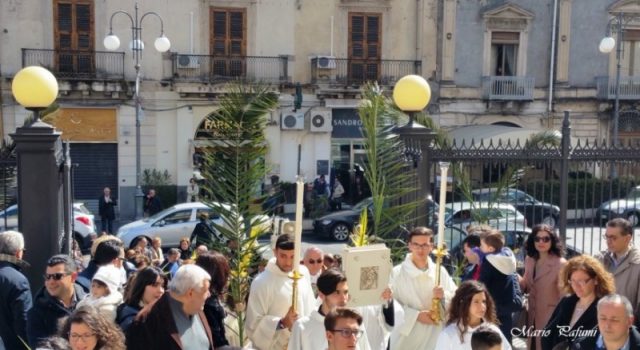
(152,203)
(56,300)
(169,324)
(15,292)
(203,233)
(615,326)
(106,205)
(108,252)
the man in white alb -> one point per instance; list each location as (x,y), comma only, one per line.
(314,262)
(413,286)
(308,332)
(269,313)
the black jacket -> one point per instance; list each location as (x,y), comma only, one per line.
(589,343)
(152,205)
(45,313)
(156,329)
(214,311)
(203,233)
(15,302)
(105,209)
(561,317)
(125,316)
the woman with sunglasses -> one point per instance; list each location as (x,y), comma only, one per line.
(541,269)
(145,288)
(585,280)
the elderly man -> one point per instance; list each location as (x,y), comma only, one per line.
(622,259)
(176,320)
(15,292)
(314,262)
(56,300)
(269,313)
(615,326)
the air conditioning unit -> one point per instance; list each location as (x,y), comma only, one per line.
(292,121)
(326,62)
(189,62)
(320,121)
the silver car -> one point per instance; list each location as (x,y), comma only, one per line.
(170,224)
(501,216)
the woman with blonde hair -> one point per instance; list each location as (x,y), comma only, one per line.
(585,280)
(87,329)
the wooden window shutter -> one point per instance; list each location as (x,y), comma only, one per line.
(505,37)
(631,35)
(373,36)
(228,32)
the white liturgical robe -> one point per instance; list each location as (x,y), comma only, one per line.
(413,289)
(269,301)
(308,333)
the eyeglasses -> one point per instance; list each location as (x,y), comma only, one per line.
(545,239)
(580,283)
(421,246)
(74,337)
(348,333)
(311,261)
(55,276)
(610,237)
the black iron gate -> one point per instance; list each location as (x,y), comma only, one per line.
(573,185)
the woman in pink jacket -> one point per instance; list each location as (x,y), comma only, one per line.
(541,269)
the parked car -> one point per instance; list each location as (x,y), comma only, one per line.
(627,207)
(84,228)
(535,211)
(339,225)
(174,223)
(501,216)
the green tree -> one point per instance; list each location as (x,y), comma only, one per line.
(234,169)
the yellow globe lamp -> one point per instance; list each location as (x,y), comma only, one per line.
(412,93)
(34,88)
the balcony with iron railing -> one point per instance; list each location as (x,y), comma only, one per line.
(77,65)
(629,88)
(507,88)
(351,71)
(211,69)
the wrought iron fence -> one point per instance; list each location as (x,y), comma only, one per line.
(71,64)
(575,187)
(207,68)
(8,193)
(351,71)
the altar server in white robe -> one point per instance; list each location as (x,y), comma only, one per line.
(308,333)
(413,283)
(269,313)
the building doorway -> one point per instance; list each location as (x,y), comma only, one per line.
(348,159)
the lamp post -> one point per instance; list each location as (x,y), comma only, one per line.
(161,44)
(616,26)
(39,157)
(412,94)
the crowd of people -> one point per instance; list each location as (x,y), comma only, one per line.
(143,298)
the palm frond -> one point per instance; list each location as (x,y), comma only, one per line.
(360,234)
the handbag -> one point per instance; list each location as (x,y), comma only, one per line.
(521,317)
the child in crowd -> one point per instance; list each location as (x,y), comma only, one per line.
(473,254)
(104,295)
(485,338)
(498,273)
(470,308)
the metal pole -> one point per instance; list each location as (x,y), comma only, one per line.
(136,54)
(564,176)
(616,106)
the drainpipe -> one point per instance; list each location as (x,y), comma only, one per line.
(552,63)
(419,32)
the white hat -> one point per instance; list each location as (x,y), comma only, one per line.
(109,275)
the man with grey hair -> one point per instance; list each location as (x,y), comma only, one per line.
(314,261)
(176,320)
(622,259)
(615,326)
(15,292)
